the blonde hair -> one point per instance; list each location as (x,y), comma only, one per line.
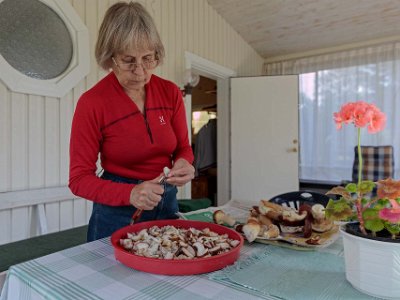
(127,26)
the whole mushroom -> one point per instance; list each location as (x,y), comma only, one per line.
(220,217)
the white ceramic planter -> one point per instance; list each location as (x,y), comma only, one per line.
(372,267)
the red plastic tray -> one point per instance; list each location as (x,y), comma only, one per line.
(171,266)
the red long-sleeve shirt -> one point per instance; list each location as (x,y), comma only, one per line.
(131,144)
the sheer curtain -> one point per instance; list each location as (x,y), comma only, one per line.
(328,81)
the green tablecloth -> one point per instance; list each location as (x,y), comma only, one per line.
(187,205)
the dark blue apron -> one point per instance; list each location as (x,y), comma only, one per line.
(106,219)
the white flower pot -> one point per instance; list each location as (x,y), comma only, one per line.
(372,267)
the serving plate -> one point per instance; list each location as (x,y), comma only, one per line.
(295,200)
(172,266)
(325,239)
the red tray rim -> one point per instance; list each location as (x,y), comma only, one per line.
(116,236)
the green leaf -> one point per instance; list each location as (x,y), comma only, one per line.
(381,203)
(370,214)
(366,186)
(371,220)
(364,201)
(394,229)
(339,210)
(351,188)
(374,225)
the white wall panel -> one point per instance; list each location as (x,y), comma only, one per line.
(79,212)
(36,141)
(20,223)
(35,130)
(66,114)
(5,227)
(19,141)
(53,213)
(66,214)
(33,221)
(52,141)
(5,139)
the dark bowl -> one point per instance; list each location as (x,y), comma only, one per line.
(295,199)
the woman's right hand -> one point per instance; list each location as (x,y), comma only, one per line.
(147,194)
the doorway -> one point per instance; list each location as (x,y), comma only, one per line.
(221,75)
(204,139)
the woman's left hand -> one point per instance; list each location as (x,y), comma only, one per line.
(181,173)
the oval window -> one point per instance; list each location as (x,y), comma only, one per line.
(34,39)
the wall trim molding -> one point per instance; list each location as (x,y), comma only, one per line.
(206,67)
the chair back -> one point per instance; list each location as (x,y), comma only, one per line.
(378,163)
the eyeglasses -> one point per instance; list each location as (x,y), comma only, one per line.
(147,64)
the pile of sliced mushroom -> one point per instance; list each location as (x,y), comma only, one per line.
(169,242)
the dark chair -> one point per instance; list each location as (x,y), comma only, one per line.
(378,163)
(295,199)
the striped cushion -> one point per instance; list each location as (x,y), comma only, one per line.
(378,163)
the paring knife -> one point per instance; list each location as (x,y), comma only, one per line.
(137,214)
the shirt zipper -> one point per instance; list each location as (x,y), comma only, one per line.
(148,127)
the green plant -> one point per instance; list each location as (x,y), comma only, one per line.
(354,203)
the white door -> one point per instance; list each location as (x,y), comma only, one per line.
(264,137)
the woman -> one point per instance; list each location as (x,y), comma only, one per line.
(136,121)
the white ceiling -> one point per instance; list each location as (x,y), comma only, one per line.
(285,27)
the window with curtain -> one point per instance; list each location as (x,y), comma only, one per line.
(328,81)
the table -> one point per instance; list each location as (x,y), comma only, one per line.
(90,271)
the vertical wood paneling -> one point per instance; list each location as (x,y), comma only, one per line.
(5,226)
(30,146)
(20,223)
(190,27)
(5,138)
(79,212)
(202,33)
(36,136)
(101,9)
(164,37)
(183,30)
(66,214)
(19,141)
(206,40)
(179,67)
(154,8)
(172,39)
(89,206)
(34,130)
(34,133)
(196,27)
(91,23)
(33,221)
(52,141)
(209,35)
(66,113)
(53,214)
(213,31)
